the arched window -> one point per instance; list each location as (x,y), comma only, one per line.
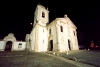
(43,14)
(61,28)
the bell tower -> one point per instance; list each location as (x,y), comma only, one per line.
(41,15)
(40,37)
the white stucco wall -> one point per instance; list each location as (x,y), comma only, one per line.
(38,15)
(1,45)
(32,37)
(65,35)
(62,37)
(42,46)
(54,33)
(27,41)
(16,44)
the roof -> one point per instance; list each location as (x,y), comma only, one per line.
(64,19)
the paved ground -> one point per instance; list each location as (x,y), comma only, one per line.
(91,57)
(33,59)
(30,59)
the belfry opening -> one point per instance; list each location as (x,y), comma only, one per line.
(8,46)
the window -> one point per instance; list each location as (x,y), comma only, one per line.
(43,30)
(74,33)
(43,40)
(61,28)
(49,31)
(20,45)
(43,14)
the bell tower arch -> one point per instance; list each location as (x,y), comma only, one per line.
(41,15)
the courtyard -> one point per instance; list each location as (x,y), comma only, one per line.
(91,57)
(34,59)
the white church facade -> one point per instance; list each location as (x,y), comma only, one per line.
(60,35)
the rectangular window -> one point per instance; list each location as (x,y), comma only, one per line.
(49,31)
(74,33)
(43,30)
(20,45)
(43,40)
(61,28)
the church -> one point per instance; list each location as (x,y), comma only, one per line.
(59,35)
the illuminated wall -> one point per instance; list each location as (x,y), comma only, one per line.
(19,46)
(63,34)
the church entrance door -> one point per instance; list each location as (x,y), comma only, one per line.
(51,45)
(8,46)
(69,44)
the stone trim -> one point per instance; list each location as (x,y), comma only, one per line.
(41,25)
(52,23)
(72,23)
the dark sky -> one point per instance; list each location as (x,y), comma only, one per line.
(16,16)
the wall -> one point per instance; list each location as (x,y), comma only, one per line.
(33,38)
(38,15)
(27,41)
(1,45)
(42,39)
(54,33)
(30,41)
(16,44)
(62,36)
(65,35)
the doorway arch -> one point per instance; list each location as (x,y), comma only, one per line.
(8,46)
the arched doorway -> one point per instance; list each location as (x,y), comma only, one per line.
(8,46)
(51,45)
(69,44)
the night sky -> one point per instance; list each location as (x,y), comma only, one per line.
(16,16)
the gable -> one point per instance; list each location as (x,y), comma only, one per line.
(51,24)
(71,23)
(67,21)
